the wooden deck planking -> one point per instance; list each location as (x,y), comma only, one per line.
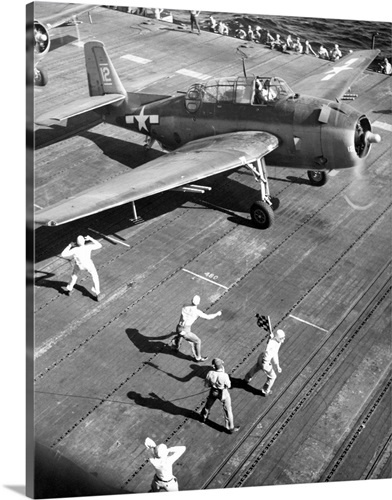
(298,262)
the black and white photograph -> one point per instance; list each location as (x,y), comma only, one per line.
(208,246)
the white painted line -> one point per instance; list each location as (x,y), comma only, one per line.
(206,279)
(193,74)
(382,125)
(37,206)
(109,237)
(333,173)
(136,59)
(307,322)
(78,44)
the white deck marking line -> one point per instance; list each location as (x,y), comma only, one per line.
(37,206)
(193,74)
(206,279)
(307,322)
(136,59)
(78,44)
(333,173)
(109,237)
(382,125)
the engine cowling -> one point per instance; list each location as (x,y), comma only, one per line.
(346,136)
(41,39)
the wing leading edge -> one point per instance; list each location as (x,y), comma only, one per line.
(334,79)
(194,161)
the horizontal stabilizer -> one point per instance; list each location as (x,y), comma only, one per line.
(78,107)
(190,163)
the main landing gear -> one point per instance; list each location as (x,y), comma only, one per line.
(40,77)
(261,211)
(317,177)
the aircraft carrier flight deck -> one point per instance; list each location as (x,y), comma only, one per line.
(105,377)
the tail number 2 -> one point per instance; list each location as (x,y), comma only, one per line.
(105,73)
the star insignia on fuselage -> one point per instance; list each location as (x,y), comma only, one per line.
(141,119)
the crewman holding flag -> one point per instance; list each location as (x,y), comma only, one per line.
(269,356)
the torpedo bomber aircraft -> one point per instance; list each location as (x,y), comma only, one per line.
(220,125)
(42,32)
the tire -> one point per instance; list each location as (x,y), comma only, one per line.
(262,215)
(317,177)
(40,77)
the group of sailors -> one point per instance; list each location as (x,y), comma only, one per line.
(281,44)
(278,42)
(218,26)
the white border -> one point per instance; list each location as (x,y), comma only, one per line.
(12,289)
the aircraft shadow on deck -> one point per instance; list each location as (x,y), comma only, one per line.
(127,153)
(231,198)
(53,133)
(383,111)
(56,43)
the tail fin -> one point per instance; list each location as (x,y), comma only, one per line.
(102,77)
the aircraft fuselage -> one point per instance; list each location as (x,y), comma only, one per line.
(313,133)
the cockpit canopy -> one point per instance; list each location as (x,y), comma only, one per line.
(238,90)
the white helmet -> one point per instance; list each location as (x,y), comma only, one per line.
(80,241)
(280,335)
(196,300)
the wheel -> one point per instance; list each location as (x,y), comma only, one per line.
(40,77)
(317,177)
(262,214)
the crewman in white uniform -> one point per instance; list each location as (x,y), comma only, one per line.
(189,315)
(162,460)
(265,360)
(81,255)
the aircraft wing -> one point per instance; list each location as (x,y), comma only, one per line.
(78,107)
(192,162)
(334,79)
(59,13)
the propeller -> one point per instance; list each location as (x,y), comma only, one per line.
(360,193)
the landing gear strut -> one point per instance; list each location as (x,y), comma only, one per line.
(261,211)
(317,177)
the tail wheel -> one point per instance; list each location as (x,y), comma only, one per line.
(262,215)
(317,177)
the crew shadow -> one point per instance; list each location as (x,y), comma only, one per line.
(153,345)
(239,383)
(199,371)
(48,283)
(154,402)
(44,281)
